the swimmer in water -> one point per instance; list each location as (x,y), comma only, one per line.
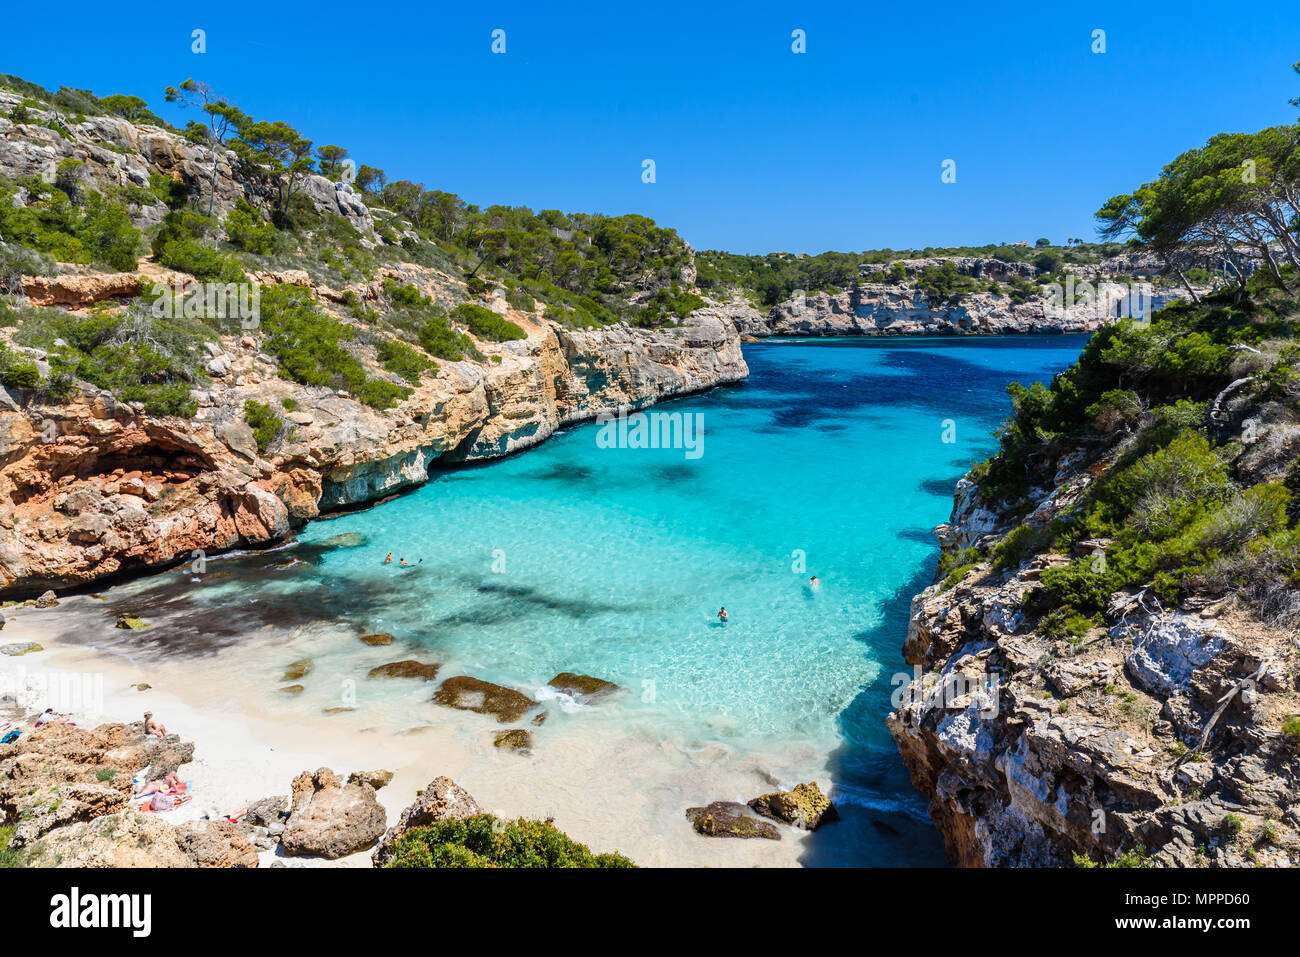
(404,562)
(388,559)
(722,615)
(814,584)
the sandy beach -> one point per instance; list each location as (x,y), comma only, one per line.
(611,791)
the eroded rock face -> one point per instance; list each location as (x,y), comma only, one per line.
(442,800)
(331,819)
(96,487)
(1035,749)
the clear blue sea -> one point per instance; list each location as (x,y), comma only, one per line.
(830,460)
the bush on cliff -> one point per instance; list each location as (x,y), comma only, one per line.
(486,324)
(264,421)
(131,354)
(97,231)
(485,841)
(310,347)
(402,360)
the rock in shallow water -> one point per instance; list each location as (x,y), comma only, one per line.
(483,697)
(298,669)
(379,638)
(405,669)
(21,648)
(516,739)
(805,806)
(730,819)
(582,686)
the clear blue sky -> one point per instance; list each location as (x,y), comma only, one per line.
(757,148)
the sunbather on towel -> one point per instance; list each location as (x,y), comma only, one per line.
(171,783)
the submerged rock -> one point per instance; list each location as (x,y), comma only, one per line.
(293,689)
(330,819)
(582,686)
(376,779)
(805,806)
(483,697)
(132,622)
(345,540)
(730,819)
(442,800)
(378,638)
(298,669)
(516,739)
(21,648)
(408,668)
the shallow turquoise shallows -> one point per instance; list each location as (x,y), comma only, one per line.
(834,459)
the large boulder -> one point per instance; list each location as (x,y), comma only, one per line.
(331,819)
(442,800)
(215,844)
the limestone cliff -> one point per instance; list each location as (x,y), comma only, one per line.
(95,487)
(1161,731)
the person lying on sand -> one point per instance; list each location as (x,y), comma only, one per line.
(153,727)
(171,783)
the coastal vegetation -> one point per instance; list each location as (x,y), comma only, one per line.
(485,841)
(1179,498)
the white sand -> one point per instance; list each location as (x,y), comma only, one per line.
(605,786)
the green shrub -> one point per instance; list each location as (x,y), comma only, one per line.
(131,354)
(99,231)
(264,422)
(246,229)
(483,841)
(486,324)
(9,857)
(22,375)
(309,346)
(402,360)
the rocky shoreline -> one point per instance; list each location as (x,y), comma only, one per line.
(1037,751)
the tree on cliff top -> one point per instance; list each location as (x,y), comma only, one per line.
(222,118)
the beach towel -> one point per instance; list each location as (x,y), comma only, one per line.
(10,738)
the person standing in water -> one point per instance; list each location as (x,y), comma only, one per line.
(722,614)
(814,584)
(388,559)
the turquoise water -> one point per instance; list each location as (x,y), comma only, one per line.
(835,459)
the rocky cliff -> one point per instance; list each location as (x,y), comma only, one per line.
(95,486)
(1161,731)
